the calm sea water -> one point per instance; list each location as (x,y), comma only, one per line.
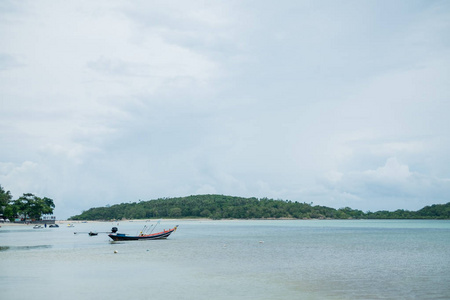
(298,259)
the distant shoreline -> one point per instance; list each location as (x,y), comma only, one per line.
(66,222)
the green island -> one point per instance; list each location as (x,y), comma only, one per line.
(230,207)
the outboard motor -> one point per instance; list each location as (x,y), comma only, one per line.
(114,230)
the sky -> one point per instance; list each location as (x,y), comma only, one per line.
(338,103)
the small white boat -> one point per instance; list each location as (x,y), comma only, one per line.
(70,225)
(37,227)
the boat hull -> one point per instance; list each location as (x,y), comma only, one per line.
(154,236)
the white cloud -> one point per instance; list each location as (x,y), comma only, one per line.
(392,170)
(20,178)
(334,176)
(8,62)
(390,186)
(118,101)
(206,189)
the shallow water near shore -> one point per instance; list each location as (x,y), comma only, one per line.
(251,259)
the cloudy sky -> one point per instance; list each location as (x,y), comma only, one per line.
(339,103)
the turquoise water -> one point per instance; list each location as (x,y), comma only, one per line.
(279,259)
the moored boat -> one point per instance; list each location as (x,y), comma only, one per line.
(115,236)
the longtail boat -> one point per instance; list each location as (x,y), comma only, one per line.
(115,236)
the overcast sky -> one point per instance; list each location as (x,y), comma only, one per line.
(339,103)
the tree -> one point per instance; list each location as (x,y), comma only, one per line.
(175,212)
(31,206)
(5,201)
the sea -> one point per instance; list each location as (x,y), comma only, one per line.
(229,259)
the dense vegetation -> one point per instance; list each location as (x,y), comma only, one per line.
(225,207)
(28,206)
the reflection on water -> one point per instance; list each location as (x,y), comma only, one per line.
(3,248)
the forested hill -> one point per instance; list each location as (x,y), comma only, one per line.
(224,207)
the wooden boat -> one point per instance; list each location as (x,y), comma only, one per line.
(93,233)
(154,236)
